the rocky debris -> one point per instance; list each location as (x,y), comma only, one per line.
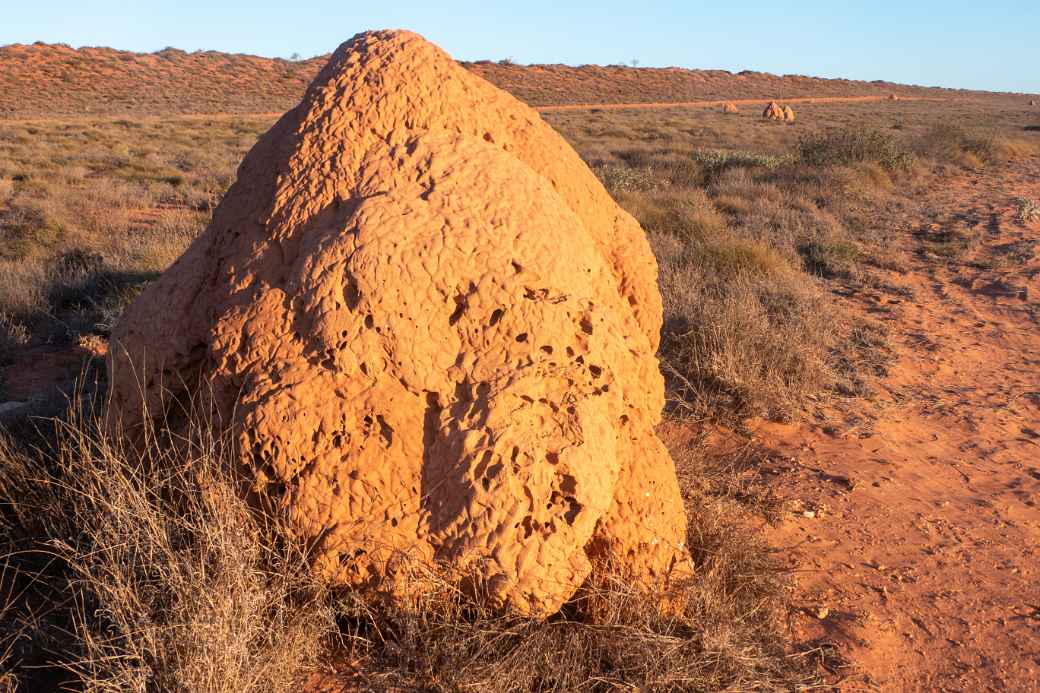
(729,107)
(433,334)
(773,111)
(788,114)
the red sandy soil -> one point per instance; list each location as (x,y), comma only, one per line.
(56,80)
(921,558)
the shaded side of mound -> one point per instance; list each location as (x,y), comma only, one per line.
(433,333)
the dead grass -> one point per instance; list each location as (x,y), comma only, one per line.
(745,332)
(89,211)
(754,226)
(146,571)
(135,572)
(13,336)
(727,635)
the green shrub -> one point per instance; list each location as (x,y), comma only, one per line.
(853,146)
(715,161)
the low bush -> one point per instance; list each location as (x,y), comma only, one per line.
(156,575)
(623,179)
(951,143)
(715,161)
(745,333)
(1027,210)
(848,146)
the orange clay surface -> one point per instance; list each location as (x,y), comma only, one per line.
(722,102)
(916,531)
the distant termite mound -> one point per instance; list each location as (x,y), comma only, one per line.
(773,111)
(729,107)
(432,334)
(789,114)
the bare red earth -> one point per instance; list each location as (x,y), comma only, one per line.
(916,535)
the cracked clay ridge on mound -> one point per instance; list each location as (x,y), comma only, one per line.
(434,334)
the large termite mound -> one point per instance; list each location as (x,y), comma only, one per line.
(432,334)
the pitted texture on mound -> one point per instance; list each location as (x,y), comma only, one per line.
(434,334)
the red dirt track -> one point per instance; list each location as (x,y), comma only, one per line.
(719,103)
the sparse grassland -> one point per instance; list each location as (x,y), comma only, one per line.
(756,224)
(119,581)
(114,580)
(91,209)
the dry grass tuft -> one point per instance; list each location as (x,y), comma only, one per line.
(146,571)
(745,332)
(154,573)
(13,337)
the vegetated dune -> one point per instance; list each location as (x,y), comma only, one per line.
(46,80)
(553,84)
(51,80)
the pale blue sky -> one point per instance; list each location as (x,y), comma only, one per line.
(994,45)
